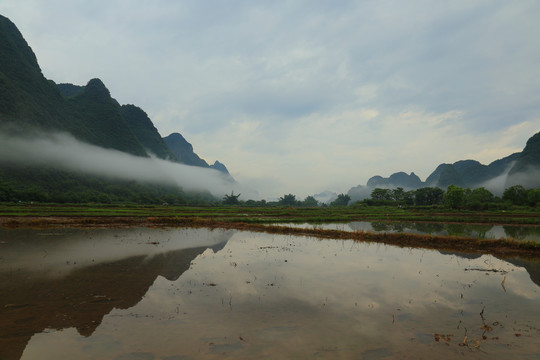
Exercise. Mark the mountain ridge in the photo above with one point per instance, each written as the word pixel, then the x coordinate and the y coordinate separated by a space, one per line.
pixel 183 151
pixel 30 104
pixel 88 112
pixel 520 168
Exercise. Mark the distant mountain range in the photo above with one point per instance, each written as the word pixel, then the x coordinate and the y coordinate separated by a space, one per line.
pixel 522 168
pixel 28 102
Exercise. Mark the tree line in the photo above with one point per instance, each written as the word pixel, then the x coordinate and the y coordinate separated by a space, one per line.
pixel 286 200
pixel 63 187
pixel 455 197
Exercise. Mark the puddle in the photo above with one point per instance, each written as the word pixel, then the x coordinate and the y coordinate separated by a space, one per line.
pixel 196 294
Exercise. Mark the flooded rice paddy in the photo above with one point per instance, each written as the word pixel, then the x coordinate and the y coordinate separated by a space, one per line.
pixel 521 233
pixel 213 294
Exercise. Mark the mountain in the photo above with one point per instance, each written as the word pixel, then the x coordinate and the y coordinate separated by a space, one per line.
pixel 444 176
pixel 27 98
pixel 326 197
pixel 399 179
pixel 359 192
pixel 69 90
pixel 501 166
pixel 88 112
pixel 526 169
pixel 183 151
pixel 521 168
pixel 220 167
pixel 470 173
pixel 31 104
pixel 145 131
pixel 102 116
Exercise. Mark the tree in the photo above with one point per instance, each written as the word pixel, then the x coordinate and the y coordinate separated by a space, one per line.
pixel 479 197
pixel 428 196
pixel 516 194
pixel 408 197
pixel 6 192
pixel 310 201
pixel 342 200
pixel 252 202
pixel 381 194
pixel 398 194
pixel 231 199
pixel 533 196
pixel 288 200
pixel 454 197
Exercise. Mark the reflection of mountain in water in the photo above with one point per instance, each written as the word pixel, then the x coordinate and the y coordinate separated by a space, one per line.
pixel 531 266
pixel 82 298
pixel 450 229
pixel 516 232
pixel 470 256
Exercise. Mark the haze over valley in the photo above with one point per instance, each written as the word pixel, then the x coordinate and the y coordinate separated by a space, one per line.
pixel 313 120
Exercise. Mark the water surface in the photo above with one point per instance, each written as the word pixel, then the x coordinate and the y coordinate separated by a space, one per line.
pixel 192 294
pixel 522 233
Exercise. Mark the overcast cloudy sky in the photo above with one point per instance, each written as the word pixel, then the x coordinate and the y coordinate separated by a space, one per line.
pixel 304 96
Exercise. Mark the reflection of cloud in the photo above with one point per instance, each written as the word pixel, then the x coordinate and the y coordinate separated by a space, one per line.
pixel 62 253
pixel 441 229
pixel 63 279
pixel 382 275
pixel 280 296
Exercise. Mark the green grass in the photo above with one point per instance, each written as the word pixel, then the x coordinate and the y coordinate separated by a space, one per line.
pixel 276 214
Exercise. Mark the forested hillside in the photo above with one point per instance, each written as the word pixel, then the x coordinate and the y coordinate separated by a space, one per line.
pixel 31 104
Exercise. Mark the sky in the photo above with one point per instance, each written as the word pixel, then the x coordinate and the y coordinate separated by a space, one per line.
pixel 305 96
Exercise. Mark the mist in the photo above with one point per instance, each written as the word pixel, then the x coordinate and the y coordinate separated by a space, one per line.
pixel 497 184
pixel 529 178
pixel 63 151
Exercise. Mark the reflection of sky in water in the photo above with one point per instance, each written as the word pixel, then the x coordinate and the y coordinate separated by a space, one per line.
pixel 496 232
pixel 273 296
pixel 482 231
pixel 60 251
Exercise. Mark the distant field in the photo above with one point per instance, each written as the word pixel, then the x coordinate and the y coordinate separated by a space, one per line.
pixel 246 214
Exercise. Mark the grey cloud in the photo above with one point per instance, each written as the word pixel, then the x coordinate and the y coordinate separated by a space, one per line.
pixel 202 66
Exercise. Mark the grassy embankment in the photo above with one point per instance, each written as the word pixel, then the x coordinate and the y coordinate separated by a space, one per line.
pixel 264 219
